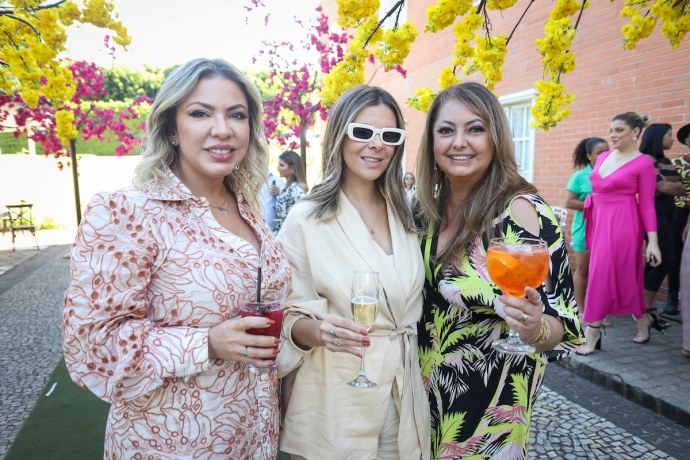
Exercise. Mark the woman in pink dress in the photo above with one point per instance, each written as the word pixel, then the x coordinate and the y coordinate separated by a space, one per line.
pixel 619 213
pixel 151 319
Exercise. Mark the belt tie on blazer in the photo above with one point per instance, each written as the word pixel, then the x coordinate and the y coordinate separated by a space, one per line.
pixel 411 396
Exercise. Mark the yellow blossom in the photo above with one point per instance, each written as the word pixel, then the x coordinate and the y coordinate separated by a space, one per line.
pixel 422 100
pixel 34 38
pixel 65 126
pixel 352 12
pixel 447 78
pixel 443 13
pixel 395 44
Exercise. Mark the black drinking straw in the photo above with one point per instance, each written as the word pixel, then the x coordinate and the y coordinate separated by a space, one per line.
pixel 258 286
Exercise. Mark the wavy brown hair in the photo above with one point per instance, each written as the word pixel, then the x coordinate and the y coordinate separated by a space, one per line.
pixel 491 195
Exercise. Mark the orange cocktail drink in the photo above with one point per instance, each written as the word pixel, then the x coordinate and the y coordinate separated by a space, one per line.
pixel 514 267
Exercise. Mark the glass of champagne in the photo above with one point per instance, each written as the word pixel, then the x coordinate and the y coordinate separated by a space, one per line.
pixel 513 264
pixel 365 308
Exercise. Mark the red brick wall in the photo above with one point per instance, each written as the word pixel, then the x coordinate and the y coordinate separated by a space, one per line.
pixel 653 79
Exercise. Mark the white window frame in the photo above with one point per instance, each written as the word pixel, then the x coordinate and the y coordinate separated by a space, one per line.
pixel 522 99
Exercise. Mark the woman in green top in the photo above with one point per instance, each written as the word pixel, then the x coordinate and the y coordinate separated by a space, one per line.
pixel 579 187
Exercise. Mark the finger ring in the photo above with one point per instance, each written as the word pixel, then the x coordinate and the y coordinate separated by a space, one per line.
pixel 331 332
pixel 523 318
pixel 245 352
pixel 337 342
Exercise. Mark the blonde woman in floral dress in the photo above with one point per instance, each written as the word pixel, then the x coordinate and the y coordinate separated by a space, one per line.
pixel 151 320
pixel 481 399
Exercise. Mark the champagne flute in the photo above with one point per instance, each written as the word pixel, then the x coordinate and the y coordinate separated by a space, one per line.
pixel 365 307
pixel 513 264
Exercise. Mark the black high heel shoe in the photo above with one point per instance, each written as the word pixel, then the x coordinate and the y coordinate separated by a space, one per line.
pixel 653 323
pixel 658 322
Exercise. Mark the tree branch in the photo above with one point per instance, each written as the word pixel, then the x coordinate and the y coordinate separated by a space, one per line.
pixel 24 22
pixel 520 20
pixel 7 11
pixel 397 6
pixel 579 16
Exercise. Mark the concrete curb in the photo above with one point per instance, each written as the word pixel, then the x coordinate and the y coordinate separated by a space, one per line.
pixel 617 383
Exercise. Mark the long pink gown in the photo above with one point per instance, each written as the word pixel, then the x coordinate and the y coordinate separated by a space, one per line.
pixel 619 212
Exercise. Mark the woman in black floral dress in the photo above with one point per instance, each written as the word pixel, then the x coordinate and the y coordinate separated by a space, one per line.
pixel 469 191
pixel 289 167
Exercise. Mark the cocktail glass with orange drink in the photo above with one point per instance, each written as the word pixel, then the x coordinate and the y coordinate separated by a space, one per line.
pixel 513 264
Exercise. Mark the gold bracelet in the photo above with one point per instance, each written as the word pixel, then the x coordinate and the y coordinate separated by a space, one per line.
pixel 544 332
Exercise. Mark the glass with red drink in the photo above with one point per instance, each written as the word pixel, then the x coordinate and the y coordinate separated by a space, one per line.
pixel 271 306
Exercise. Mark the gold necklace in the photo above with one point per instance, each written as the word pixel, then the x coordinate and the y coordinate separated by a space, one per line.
pixel 370 228
pixel 222 206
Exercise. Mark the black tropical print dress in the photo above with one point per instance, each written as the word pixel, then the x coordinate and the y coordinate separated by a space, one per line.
pixel 480 399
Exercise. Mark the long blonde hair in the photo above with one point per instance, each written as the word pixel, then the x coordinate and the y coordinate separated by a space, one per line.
pixel 344 111
pixel 158 152
pixel 491 195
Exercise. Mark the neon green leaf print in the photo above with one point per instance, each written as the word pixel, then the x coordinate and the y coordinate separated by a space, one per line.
pixel 474 287
pixel 450 427
pixel 520 389
pixel 428 359
pixel 444 338
pixel 512 232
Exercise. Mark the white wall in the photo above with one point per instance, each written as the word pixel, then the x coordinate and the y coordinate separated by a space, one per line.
pixel 36 179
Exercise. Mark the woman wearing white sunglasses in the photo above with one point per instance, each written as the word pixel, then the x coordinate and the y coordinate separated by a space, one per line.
pixel 357 219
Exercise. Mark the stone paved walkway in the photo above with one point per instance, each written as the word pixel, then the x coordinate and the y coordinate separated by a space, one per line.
pixel 655 375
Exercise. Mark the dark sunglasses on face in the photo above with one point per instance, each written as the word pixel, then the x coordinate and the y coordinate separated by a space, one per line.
pixel 364 133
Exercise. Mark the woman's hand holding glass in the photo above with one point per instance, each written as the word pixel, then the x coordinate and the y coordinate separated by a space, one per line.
pixel 343 335
pixel 514 264
pixel 523 315
pixel 230 341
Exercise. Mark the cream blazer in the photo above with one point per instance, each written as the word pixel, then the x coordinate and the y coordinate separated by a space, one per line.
pixel 323 416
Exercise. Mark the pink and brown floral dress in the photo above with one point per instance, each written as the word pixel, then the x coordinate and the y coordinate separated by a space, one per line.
pixel 151 272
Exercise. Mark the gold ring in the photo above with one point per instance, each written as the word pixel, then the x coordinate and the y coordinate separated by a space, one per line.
pixel 523 318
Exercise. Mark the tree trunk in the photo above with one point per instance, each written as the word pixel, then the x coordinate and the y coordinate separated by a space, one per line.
pixel 75 177
pixel 303 147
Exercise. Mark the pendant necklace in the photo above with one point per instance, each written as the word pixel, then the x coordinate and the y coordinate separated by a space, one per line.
pixel 222 206
pixel 369 227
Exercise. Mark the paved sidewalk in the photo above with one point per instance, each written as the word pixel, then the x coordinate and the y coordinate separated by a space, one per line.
pixel 25 248
pixel 654 375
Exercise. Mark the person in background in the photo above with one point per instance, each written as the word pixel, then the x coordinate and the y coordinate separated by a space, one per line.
pixel 410 186
pixel 289 167
pixel 151 319
pixel 470 191
pixel 579 187
pixel 685 290
pixel 268 201
pixel 680 217
pixel 619 212
pixel 356 219
pixel 655 139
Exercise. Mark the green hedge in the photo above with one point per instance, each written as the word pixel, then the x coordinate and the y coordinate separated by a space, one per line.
pixel 11 145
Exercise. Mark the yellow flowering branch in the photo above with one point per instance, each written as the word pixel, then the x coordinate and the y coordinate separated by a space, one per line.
pixel 34 35
pixel 483 52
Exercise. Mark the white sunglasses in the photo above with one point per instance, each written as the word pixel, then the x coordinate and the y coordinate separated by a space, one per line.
pixel 364 133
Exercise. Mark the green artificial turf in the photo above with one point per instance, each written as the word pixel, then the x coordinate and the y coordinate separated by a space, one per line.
pixel 68 424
